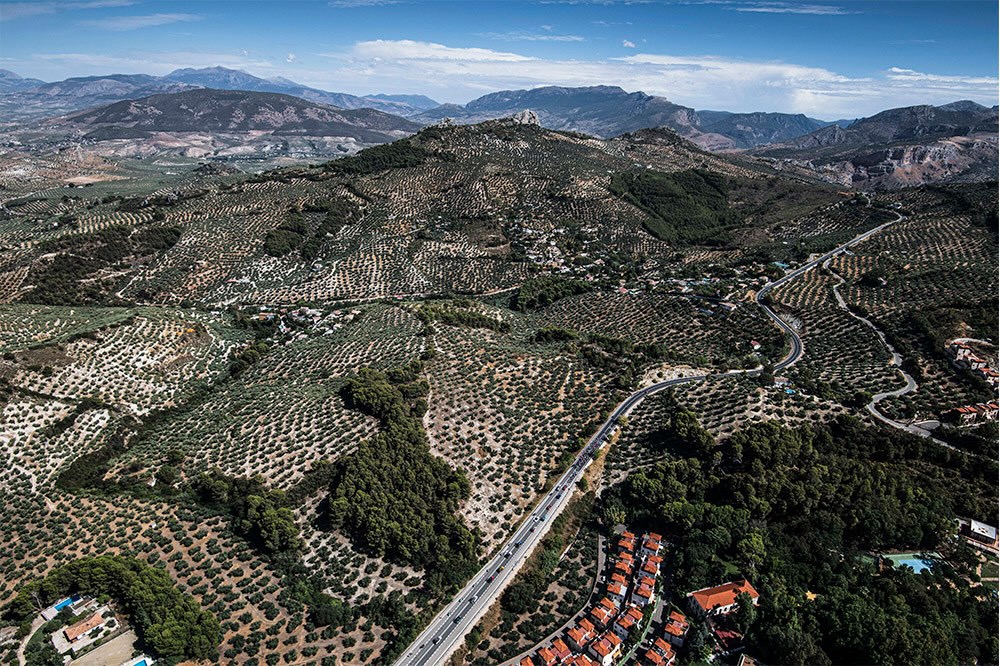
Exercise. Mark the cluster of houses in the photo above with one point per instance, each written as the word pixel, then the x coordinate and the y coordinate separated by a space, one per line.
pixel 598 638
pixel 663 650
pixel 304 317
pixel 964 357
pixel 973 414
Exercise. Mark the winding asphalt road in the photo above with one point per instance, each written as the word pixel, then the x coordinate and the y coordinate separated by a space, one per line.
pixel 445 632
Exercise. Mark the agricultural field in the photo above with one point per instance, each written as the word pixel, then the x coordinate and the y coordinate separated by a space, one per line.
pixel 722 404
pixel 927 280
pixel 194 360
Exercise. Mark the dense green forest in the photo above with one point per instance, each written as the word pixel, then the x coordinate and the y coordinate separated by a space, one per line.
pixel 545 290
pixel 461 317
pixel 799 510
pixel 296 233
pixel 258 513
pixel 392 496
pixel 683 207
pixel 59 282
pixel 380 158
pixel 169 623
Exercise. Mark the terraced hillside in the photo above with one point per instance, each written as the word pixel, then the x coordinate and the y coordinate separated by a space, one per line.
pixel 190 363
pixel 464 209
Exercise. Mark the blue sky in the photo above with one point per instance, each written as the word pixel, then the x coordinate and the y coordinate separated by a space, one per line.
pixel 827 59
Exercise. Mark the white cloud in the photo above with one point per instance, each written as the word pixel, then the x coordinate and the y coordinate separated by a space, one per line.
pixel 627 44
pixel 524 36
pixel 703 81
pixel 789 8
pixel 457 74
pixel 291 57
pixel 349 4
pixel 410 50
pixel 14 10
pixel 122 23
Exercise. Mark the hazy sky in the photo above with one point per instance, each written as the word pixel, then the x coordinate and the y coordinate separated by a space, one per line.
pixel 826 59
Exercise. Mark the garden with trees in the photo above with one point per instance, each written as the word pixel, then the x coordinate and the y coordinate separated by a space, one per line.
pixel 807 509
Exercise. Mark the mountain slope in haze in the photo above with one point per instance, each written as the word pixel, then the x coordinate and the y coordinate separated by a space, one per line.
pixel 749 130
pixel 421 102
pixel 23 102
pixel 222 78
pixel 207 110
pixel 60 97
pixel 12 82
pixel 901 147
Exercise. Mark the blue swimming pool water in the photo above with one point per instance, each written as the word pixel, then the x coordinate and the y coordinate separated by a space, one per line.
pixel 65 602
pixel 141 663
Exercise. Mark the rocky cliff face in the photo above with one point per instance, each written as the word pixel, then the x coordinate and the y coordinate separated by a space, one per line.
pixel 953 159
pixel 914 145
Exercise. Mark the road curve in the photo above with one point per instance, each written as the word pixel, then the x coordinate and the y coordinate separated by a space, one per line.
pixel 442 636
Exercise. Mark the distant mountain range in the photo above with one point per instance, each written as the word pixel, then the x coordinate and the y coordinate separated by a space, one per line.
pixel 235 111
pixel 30 99
pixel 222 78
pixel 11 82
pixel 894 148
pixel 607 111
pixel 220 124
pixel 899 147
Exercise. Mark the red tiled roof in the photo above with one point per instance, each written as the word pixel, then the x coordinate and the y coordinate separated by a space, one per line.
pixel 643 591
pixel 577 636
pixel 526 661
pixel 74 631
pixel 586 625
pixel 723 595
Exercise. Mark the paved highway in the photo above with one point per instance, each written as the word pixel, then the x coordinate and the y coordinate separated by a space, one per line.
pixel 444 633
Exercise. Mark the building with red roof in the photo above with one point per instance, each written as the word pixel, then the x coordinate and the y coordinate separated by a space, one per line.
pixel 606 649
pixel 720 600
pixel 675 628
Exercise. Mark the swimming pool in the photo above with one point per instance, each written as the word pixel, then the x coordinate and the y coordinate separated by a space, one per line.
pixel 66 602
